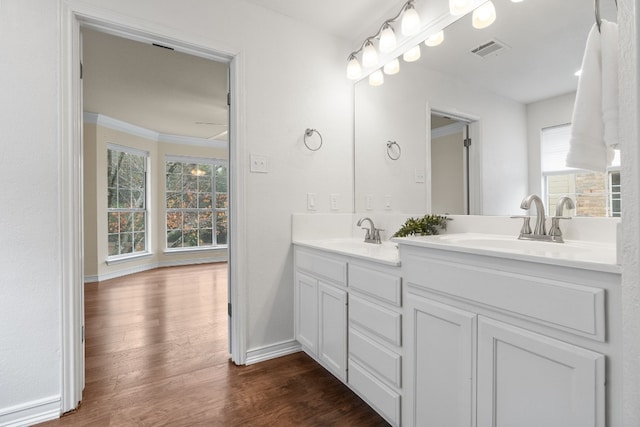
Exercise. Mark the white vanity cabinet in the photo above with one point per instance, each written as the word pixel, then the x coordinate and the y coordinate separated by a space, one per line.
pixel 362 338
pixel 375 336
pixel 320 308
pixel 495 342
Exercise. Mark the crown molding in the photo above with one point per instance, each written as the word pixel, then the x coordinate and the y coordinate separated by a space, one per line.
pixel 447 130
pixel 128 128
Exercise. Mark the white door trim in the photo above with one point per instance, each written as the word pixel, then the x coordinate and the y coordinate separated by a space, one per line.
pixel 75 13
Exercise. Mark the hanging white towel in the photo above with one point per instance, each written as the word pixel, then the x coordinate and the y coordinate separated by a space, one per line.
pixel 594 129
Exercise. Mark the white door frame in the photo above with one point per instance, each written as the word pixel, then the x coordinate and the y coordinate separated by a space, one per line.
pixel 74 14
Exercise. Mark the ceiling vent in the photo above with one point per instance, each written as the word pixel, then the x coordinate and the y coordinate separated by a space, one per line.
pixel 491 48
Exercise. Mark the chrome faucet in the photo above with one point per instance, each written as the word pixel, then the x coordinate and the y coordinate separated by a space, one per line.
pixel 541 228
pixel 555 232
pixel 373 233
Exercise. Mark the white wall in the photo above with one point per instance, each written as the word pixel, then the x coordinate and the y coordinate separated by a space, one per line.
pixel 29 262
pixel 546 113
pixel 286 90
pixel 397 111
pixel 629 21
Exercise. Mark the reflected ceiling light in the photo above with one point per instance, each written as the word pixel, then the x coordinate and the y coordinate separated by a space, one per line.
pixel 392 67
pixel 578 73
pixel 387 38
pixel 484 15
pixel 369 55
pixel 354 71
pixel 412 54
pixel 410 20
pixel 376 78
pixel 459 7
pixel 435 39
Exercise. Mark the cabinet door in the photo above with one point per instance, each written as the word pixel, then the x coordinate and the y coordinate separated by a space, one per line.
pixel 529 380
pixel 440 352
pixel 306 312
pixel 332 329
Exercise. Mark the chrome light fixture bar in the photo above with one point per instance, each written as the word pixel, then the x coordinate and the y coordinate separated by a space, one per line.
pixel 410 25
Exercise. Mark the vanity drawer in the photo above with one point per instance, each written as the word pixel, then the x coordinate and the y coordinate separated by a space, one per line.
pixel 385 363
pixel 377 320
pixel 562 305
pixel 382 398
pixel 322 266
pixel 383 286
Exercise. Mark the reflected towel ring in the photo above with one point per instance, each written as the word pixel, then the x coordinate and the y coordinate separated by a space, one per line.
pixel 307 134
pixel 389 150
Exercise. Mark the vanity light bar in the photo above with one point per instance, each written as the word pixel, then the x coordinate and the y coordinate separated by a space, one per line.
pixel 483 16
pixel 410 25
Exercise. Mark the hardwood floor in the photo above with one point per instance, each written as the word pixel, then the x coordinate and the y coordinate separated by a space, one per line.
pixel 156 354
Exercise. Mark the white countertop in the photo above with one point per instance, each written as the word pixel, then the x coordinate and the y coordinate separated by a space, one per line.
pixel 385 253
pixel 597 256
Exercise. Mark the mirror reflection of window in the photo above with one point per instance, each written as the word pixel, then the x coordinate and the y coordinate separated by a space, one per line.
pixel 596 194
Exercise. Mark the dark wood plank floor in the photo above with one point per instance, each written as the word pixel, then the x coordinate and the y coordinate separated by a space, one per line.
pixel 156 354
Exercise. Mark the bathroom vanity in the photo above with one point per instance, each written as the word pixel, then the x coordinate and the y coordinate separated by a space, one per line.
pixel 467 329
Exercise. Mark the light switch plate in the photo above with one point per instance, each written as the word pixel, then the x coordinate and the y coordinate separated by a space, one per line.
pixel 333 201
pixel 387 202
pixel 258 164
pixel 369 202
pixel 311 201
pixel 419 176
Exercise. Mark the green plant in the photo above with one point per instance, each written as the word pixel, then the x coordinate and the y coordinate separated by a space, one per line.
pixel 424 226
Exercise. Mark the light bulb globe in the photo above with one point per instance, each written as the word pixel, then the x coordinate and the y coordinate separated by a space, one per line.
pixel 484 15
pixel 369 55
pixel 412 54
pixel 376 78
pixel 387 39
pixel 435 39
pixel 410 21
pixel 392 67
pixel 354 71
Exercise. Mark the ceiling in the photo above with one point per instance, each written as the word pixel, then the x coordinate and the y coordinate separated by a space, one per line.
pixel 179 94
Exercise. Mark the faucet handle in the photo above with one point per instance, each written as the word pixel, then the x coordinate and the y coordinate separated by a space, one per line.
pixel 526 225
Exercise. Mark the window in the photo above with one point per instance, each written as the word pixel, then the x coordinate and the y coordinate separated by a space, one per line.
pixel 126 201
pixel 196 202
pixel 595 194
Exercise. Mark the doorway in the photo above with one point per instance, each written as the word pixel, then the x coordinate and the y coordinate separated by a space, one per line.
pixel 73 17
pixel 453 162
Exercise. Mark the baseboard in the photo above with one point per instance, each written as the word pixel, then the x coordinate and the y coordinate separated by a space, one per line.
pixel 28 414
pixel 272 351
pixel 151 266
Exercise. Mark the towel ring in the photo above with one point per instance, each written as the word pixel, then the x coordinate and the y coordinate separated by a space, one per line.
pixel 309 133
pixel 389 150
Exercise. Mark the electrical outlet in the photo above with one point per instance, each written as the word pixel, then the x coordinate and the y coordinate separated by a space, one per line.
pixel 258 164
pixel 369 202
pixel 333 202
pixel 419 176
pixel 311 201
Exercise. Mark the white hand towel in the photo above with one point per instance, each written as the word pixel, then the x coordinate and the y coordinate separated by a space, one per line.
pixel 596 108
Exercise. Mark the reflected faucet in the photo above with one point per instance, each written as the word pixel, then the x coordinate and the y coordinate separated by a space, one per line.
pixel 373 233
pixel 541 228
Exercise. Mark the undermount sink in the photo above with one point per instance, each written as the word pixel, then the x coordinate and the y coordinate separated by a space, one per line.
pixel 572 251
